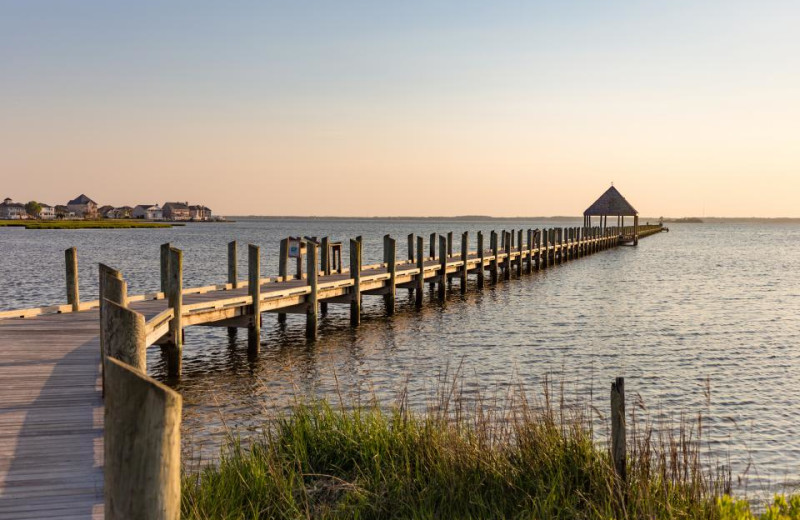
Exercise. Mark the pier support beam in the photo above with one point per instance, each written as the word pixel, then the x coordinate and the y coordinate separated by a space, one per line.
pixel 507 263
pixel 636 230
pixel 254 290
pixel 283 269
pixel 464 258
pixel 390 259
pixel 174 346
pixel 432 243
pixel 442 267
pixel 355 273
pixel 233 276
pixel 412 258
pixel 493 275
pixel 312 299
pixel 326 268
pixel 529 265
pixel 73 291
pixel 142 448
pixel 449 252
pixel 421 275
pixel 519 248
pixel 481 255
pixel 164 257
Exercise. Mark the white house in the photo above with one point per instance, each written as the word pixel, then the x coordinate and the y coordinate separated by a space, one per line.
pixel 12 210
pixel 47 212
pixel 147 211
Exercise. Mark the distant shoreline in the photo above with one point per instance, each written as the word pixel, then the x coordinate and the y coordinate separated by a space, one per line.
pixel 479 218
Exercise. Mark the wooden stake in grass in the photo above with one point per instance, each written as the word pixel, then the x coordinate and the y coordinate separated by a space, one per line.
pixel 618 445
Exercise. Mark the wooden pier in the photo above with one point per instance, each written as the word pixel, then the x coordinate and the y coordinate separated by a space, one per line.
pixel 52 420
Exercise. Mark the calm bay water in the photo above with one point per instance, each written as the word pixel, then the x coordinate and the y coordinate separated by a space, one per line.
pixel 704 304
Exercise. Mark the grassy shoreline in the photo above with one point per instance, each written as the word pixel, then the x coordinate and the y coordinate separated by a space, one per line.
pixel 328 462
pixel 84 224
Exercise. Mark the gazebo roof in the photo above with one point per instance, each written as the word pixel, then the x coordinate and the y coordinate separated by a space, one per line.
pixel 611 203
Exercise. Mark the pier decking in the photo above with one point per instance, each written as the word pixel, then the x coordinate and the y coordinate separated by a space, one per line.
pixel 51 402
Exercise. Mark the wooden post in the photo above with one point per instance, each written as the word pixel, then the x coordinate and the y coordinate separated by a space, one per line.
pixel 174 347
pixel 233 275
pixel 125 333
pixel 546 248
pixel 73 291
pixel 312 299
pixel 254 290
pixel 432 250
pixel 355 274
pixel 283 269
pixel 618 443
pixel 142 446
pixel 390 258
pixel 481 254
pixel 519 248
pixel 327 269
pixel 421 275
pixel 507 263
pixel 636 230
pixel 442 267
pixel 164 263
pixel 411 256
pixel 464 258
pixel 529 265
pixel 112 288
pixel 449 252
pixel 495 253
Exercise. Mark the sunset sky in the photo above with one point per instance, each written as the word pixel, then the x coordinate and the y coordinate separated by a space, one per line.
pixel 404 108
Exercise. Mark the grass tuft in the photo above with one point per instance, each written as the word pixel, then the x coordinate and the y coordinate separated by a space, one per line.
pixel 459 460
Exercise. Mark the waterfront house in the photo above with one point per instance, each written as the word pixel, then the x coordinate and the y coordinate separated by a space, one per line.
pixel 176 211
pixel 63 212
pixel 47 212
pixel 11 210
pixel 148 211
pixel 83 206
pixel 121 212
pixel 199 212
pixel 102 210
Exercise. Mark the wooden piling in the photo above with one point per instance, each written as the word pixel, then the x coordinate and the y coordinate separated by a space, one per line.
pixel 507 263
pixel 519 248
pixel 390 258
pixel 73 291
pixel 174 347
pixel 442 267
pixel 481 256
pixel 495 253
pixel 125 332
pixel 142 448
pixel 421 275
pixel 326 268
pixel 411 256
pixel 355 273
pixel 464 259
pixel 233 276
pixel 164 264
pixel 254 290
pixel 618 440
pixel 529 264
pixel 432 254
pixel 312 299
pixel 283 269
pixel 449 252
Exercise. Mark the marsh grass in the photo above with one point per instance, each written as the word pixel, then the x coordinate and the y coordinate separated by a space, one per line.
pixel 460 458
pixel 82 224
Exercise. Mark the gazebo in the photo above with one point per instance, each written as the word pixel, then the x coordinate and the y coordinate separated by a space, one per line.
pixel 613 204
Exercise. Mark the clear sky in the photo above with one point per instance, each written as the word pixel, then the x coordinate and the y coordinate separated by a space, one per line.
pixel 404 108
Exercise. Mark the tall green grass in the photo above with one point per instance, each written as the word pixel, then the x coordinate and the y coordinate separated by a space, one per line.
pixel 460 459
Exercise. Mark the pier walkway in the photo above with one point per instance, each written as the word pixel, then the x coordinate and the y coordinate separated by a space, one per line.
pixel 51 396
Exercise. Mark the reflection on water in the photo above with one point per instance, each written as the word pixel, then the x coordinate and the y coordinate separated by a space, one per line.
pixel 701 303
